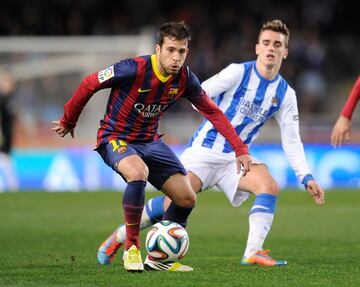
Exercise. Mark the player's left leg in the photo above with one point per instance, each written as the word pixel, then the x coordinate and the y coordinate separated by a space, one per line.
pixel 178 188
pixel 260 182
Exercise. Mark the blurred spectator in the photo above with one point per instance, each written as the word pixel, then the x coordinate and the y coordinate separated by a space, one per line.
pixel 311 85
pixel 7 87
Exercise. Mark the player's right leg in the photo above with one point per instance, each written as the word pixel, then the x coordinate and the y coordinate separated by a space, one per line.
pixel 152 213
pixel 125 161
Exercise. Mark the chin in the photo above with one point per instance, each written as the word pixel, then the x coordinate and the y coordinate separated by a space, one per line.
pixel 172 72
pixel 270 63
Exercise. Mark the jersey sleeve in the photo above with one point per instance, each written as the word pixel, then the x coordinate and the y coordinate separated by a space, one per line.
pixel 224 80
pixel 119 74
pixel 352 100
pixel 288 120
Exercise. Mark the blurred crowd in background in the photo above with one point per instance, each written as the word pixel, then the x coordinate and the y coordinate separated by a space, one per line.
pixel 323 62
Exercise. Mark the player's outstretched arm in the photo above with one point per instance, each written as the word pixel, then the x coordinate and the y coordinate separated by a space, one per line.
pixel 62 130
pixel 341 131
pixel 316 192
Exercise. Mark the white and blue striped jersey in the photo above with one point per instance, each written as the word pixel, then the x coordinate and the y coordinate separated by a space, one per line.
pixel 248 100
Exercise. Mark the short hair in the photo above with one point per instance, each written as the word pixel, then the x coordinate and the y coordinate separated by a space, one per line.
pixel 177 30
pixel 277 26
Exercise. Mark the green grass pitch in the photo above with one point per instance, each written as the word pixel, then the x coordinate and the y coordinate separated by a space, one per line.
pixel 51 239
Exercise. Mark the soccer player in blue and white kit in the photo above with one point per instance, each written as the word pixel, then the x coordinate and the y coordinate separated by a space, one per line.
pixel 249 94
pixel 142 89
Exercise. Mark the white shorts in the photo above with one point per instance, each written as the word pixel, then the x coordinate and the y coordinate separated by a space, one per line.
pixel 216 171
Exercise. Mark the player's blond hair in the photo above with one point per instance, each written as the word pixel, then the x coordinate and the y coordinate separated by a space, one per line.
pixel 277 26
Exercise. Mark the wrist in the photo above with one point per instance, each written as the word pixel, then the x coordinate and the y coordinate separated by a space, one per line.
pixel 306 179
pixel 66 124
pixel 241 151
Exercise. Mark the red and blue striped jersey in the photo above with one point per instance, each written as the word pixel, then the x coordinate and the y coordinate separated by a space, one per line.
pixel 139 95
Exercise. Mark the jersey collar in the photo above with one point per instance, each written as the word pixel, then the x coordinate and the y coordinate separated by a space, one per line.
pixel 262 78
pixel 160 76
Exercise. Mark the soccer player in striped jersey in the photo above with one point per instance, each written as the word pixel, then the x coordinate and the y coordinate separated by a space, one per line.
pixel 341 129
pixel 249 94
pixel 142 89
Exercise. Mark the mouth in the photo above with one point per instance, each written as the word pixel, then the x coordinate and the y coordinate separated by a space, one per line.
pixel 174 68
pixel 270 56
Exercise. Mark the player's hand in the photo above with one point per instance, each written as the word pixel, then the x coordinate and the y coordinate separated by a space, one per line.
pixel 341 131
pixel 245 161
pixel 316 192
pixel 61 130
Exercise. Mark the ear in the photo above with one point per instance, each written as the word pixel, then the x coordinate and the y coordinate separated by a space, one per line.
pixel 157 49
pixel 257 49
pixel 286 53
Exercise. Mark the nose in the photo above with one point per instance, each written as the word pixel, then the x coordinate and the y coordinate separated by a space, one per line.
pixel 176 57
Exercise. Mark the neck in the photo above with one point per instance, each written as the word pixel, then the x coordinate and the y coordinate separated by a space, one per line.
pixel 160 67
pixel 268 72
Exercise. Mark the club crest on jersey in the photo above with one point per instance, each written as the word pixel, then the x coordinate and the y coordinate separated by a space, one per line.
pixel 106 74
pixel 173 93
pixel 275 101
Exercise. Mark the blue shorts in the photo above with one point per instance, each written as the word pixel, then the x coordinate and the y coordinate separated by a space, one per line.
pixel 160 159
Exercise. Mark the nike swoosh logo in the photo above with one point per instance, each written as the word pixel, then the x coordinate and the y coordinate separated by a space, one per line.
pixel 130 224
pixel 143 91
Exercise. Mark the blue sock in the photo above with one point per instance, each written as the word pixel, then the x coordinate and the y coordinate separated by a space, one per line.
pixel 133 205
pixel 265 203
pixel 134 193
pixel 155 208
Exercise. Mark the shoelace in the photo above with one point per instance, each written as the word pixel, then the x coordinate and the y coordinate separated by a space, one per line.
pixel 133 255
pixel 265 253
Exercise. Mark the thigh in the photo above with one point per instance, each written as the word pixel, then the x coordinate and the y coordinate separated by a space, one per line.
pixel 162 163
pixel 178 188
pixel 229 182
pixel 122 158
pixel 257 180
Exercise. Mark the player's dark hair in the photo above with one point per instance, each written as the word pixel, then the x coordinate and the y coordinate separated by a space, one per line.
pixel 177 30
pixel 277 26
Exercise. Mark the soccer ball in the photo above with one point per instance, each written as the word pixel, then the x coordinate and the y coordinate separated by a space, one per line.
pixel 167 241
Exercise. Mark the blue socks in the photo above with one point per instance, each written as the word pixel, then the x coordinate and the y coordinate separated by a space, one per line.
pixel 265 203
pixel 155 208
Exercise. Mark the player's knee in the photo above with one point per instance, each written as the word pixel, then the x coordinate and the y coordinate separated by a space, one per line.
pixel 273 188
pixel 187 201
pixel 140 174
